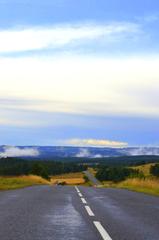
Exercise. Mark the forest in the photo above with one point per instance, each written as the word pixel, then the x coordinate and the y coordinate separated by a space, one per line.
pixel 17 167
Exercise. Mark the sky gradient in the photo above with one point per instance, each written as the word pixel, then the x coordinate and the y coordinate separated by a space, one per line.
pixel 79 73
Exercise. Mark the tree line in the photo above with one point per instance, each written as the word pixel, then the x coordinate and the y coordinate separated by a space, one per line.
pixel 120 173
pixel 16 167
pixel 116 174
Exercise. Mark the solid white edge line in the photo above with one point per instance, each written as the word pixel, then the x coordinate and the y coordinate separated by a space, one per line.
pixel 102 231
pixel 83 200
pixel 89 211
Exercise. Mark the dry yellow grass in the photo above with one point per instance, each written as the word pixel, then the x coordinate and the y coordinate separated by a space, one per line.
pixel 69 181
pixel 7 183
pixel 34 178
pixel 149 185
pixel 69 175
pixel 69 178
pixel 144 168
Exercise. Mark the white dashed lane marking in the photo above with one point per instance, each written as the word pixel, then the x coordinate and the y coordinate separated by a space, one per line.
pixel 102 231
pixel 77 189
pixel 83 200
pixel 89 211
pixel 98 225
pixel 80 194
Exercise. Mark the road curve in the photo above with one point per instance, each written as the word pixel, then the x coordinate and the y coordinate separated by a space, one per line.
pixel 92 178
pixel 55 213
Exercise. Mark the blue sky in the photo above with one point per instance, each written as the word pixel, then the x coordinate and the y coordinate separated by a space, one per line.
pixel 58 11
pixel 79 70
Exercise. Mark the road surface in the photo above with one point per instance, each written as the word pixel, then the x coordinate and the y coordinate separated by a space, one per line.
pixel 69 213
pixel 92 178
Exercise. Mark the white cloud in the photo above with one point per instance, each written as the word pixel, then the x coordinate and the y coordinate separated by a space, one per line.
pixel 95 142
pixel 11 151
pixel 37 38
pixel 80 85
pixel 85 153
pixel 149 151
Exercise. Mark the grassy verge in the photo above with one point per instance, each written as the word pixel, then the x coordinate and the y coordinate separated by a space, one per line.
pixel 150 186
pixel 7 183
pixel 69 179
pixel 87 184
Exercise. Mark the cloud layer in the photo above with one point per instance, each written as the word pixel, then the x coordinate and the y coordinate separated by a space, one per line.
pixel 85 153
pixel 95 143
pixel 38 38
pixel 85 85
pixel 148 151
pixel 11 151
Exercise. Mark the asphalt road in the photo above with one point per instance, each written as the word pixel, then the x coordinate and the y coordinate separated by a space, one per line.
pixel 69 213
pixel 92 178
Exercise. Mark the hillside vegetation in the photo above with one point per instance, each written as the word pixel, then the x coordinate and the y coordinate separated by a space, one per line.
pixel 143 178
pixel 150 186
pixel 17 173
pixel 69 179
pixel 18 167
pixel 145 169
pixel 7 183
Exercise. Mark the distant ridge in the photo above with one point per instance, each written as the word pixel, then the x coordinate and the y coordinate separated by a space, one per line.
pixel 48 152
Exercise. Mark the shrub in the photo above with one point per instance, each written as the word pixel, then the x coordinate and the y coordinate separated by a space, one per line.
pixel 154 170
pixel 62 183
pixel 115 174
pixel 40 170
pixel 86 179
